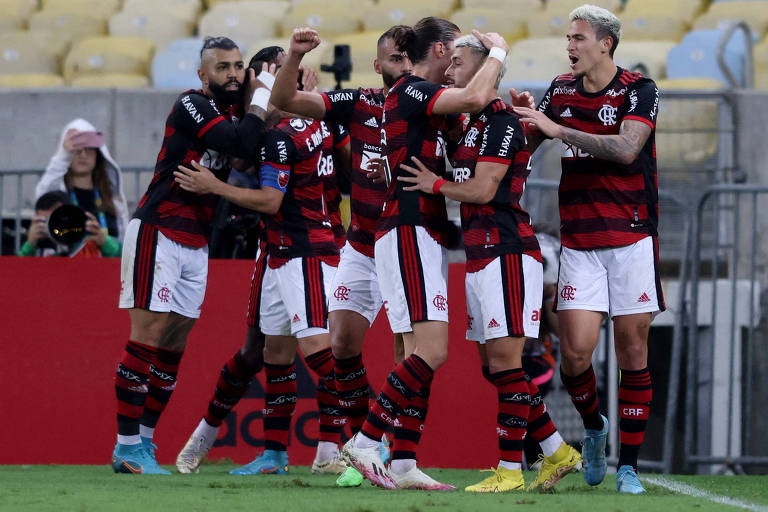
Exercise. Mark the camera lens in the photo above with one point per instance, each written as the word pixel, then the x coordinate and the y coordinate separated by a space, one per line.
pixel 66 224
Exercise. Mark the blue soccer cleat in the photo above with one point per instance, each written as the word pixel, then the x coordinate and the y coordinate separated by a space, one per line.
pixel 271 462
pixel 154 467
pixel 627 481
pixel 593 453
pixel 134 459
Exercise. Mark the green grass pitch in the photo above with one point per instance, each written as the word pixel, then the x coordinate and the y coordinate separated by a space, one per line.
pixel 97 488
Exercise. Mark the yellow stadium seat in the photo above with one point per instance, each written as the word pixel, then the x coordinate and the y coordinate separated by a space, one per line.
pixel 537 60
pixel 761 80
pixel 653 26
pixel 685 9
pixel 514 5
pixel 760 54
pixel 240 21
pixel 362 47
pixel 328 21
pixel 441 8
pixel 161 26
pixel 686 129
pixel 690 83
pixel 507 22
pixel 564 7
pixel 341 5
pixel 111 80
pixel 364 79
pixel 96 8
pixel 15 13
pixel 722 14
pixel 73 26
pixel 648 57
pixel 381 17
pixel 547 23
pixel 100 55
pixel 22 52
pixel 185 9
pixel 31 80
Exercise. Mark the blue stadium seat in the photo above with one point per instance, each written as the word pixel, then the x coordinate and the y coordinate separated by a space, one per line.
pixel 696 56
pixel 176 67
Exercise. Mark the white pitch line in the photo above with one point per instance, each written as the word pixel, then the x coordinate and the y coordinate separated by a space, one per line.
pixel 690 490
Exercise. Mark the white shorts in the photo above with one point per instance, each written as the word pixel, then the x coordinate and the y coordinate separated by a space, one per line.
pixel 355 286
pixel 618 281
pixel 413 277
pixel 158 274
pixel 504 299
pixel 293 298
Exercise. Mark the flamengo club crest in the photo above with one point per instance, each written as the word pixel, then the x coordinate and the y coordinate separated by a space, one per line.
pixel 607 115
pixel 341 293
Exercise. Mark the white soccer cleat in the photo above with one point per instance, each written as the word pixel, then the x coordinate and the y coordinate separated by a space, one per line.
pixel 332 466
pixel 368 462
pixel 415 478
pixel 192 455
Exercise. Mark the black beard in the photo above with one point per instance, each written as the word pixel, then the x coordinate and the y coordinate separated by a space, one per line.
pixel 222 95
pixel 389 79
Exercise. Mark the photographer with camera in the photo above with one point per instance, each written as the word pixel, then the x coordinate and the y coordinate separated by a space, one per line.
pixel 83 168
pixel 39 242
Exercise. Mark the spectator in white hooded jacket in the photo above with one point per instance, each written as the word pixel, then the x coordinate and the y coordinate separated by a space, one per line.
pixel 83 168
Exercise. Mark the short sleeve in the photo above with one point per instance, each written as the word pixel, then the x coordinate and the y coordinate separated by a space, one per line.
pixel 277 153
pixel 643 103
pixel 197 114
pixel 418 98
pixel 339 105
pixel 340 135
pixel 502 138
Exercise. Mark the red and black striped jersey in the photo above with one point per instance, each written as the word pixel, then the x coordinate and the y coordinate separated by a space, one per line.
pixel 340 139
pixel 195 130
pixel 300 153
pixel 500 226
pixel 409 129
pixel 360 110
pixel 605 203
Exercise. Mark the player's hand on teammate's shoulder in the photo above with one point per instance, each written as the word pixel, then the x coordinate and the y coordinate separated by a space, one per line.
pixel 304 40
pixel 538 120
pixel 491 39
pixel 199 180
pixel 422 178
pixel 521 99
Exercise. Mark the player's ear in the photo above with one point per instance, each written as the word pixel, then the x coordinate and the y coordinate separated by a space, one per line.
pixel 376 66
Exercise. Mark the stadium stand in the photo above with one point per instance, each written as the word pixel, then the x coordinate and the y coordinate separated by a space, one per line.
pixel 243 20
pixel 696 56
pixel 30 80
pixel 566 6
pixel 14 14
pixel 329 21
pixel 760 54
pixel 652 25
pixel 111 80
pixel 160 25
pixel 438 7
pixel 185 9
pixel 534 62
pixel 176 66
pixel 685 9
pixel 647 57
pixel 722 14
pixel 31 52
pixel 108 55
pixel 362 50
pixel 381 17
pixel 71 25
pixel 515 5
pixel 510 23
pixel 96 8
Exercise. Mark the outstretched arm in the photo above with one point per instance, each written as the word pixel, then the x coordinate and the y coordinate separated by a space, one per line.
pixel 622 148
pixel 285 96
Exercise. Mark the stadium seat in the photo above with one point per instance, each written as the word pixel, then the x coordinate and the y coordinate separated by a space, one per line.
pixel 441 8
pixel 176 66
pixel 31 52
pixel 704 84
pixel 15 13
pixel 547 23
pixel 381 17
pixel 241 20
pixel 73 26
pixel 646 57
pixel 722 14
pixel 341 5
pixel 96 8
pixel 362 47
pixel 696 56
pixel 30 80
pixel 515 5
pixel 111 80
pixel 185 9
pixel 536 62
pixel 99 55
pixel 507 22
pixel 685 9
pixel 364 79
pixel 328 21
pixel 161 26
pixel 564 7
pixel 653 26
pixel 761 65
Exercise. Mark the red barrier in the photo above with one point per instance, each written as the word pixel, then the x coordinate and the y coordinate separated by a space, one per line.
pixel 62 335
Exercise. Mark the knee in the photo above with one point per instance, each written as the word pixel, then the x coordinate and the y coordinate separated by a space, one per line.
pixel 253 358
pixel 437 359
pixel 343 347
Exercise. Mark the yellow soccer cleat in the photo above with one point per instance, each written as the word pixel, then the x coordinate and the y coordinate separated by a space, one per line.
pixel 502 480
pixel 552 469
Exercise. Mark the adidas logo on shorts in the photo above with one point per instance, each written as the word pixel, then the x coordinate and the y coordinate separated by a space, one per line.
pixel 372 123
pixel 493 324
pixel 644 298
pixel 566 113
pixel 296 319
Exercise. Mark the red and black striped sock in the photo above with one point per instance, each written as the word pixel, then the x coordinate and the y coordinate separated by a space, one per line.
pixel 234 381
pixel 635 395
pixel 410 425
pixel 583 391
pixel 131 386
pixel 512 418
pixel 402 385
pixel 540 425
pixel 162 382
pixel 352 387
pixel 331 417
pixel 279 404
